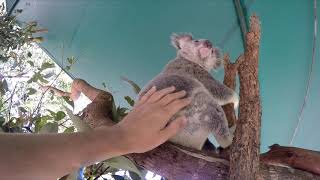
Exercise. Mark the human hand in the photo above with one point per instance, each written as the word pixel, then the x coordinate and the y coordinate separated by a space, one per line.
pixel 146 126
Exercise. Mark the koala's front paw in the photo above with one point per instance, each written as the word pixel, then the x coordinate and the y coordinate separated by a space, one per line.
pixel 235 101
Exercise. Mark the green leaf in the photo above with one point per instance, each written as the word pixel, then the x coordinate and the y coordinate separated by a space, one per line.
pixel 67 100
pixel 48 75
pixel 41 79
pixel 40 121
pixel 29 54
pixel 129 100
pixel 134 85
pixel 35 77
pixel 31 63
pixel 49 128
pixel 69 130
pixel 115 115
pixel 53 114
pixel 122 162
pixel 77 122
pixel 68 68
pixel 59 115
pixel 3 87
pixel 71 60
pixel 46 65
pixel 31 91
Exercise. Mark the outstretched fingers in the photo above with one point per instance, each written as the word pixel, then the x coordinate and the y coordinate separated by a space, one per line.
pixel 171 97
pixel 146 96
pixel 176 105
pixel 160 94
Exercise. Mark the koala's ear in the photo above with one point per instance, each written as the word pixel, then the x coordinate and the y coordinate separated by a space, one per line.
pixel 176 38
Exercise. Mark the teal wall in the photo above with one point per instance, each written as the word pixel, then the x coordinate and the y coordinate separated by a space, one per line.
pixel 112 38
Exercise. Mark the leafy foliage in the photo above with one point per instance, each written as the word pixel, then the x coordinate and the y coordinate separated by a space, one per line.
pixel 13 37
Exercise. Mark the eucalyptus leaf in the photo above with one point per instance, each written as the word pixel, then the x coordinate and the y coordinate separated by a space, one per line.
pixel 46 65
pixel 115 115
pixel 129 100
pixel 31 91
pixel 49 128
pixel 124 163
pixel 31 63
pixel 134 85
pixel 67 100
pixel 69 130
pixel 59 115
pixel 3 87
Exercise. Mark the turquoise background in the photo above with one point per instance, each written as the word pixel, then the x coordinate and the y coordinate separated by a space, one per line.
pixel 113 38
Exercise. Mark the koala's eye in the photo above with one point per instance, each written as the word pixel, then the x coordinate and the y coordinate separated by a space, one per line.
pixel 196 41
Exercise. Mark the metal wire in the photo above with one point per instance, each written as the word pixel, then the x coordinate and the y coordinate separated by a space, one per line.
pixel 310 74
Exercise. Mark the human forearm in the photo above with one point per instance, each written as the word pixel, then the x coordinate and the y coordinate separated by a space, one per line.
pixel 49 156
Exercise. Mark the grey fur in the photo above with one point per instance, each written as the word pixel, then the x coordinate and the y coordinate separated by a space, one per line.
pixel 204 114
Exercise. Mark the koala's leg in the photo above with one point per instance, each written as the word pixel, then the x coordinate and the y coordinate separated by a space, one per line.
pixel 211 117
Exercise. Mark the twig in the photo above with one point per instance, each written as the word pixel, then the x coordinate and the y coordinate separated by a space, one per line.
pixel 102 173
pixel 10 105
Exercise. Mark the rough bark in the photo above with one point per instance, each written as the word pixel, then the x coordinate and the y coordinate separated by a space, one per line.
pixel 245 150
pixel 230 74
pixel 303 159
pixel 180 163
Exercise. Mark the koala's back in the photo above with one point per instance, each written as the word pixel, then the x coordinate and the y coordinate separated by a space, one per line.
pixel 204 115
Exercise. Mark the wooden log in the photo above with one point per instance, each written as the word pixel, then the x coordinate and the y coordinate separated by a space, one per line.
pixel 180 163
pixel 299 158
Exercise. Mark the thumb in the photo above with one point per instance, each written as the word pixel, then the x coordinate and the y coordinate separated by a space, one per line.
pixel 173 128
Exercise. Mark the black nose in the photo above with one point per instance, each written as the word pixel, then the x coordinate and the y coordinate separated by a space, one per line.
pixel 207 44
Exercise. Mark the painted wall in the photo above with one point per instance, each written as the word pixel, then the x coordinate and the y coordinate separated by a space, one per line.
pixel 131 38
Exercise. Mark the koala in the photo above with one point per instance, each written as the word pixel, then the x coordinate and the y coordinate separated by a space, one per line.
pixel 189 71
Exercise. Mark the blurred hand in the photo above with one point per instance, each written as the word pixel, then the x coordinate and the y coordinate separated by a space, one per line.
pixel 44 88
pixel 146 126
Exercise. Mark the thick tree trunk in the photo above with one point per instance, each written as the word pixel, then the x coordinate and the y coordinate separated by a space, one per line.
pixel 180 163
pixel 245 150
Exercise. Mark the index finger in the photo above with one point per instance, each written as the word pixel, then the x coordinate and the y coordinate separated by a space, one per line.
pixel 177 105
pixel 147 95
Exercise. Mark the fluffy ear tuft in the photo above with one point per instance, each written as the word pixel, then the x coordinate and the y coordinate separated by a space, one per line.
pixel 175 39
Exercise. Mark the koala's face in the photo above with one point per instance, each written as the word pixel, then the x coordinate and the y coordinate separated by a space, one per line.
pixel 200 51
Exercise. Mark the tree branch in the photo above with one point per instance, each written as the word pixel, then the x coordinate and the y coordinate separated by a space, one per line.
pixel 245 150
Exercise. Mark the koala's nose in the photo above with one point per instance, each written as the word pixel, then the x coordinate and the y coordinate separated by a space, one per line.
pixel 207 44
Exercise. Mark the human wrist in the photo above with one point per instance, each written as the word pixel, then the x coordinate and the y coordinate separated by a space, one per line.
pixel 107 142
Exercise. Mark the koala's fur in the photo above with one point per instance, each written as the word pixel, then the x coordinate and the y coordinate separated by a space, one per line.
pixel 189 71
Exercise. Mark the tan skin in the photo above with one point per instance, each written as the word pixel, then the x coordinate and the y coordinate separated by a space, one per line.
pixel 49 156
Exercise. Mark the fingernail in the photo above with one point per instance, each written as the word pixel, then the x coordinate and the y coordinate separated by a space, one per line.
pixel 173 88
pixel 154 88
